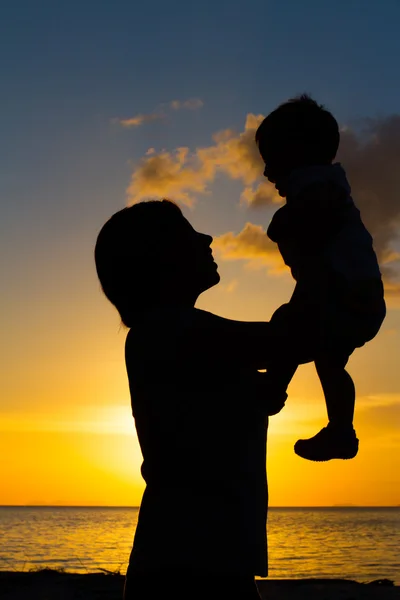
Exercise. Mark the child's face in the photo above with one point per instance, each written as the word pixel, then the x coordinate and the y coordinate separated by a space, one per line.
pixel 280 158
pixel 277 168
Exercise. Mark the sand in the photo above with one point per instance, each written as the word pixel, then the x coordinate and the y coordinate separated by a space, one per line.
pixel 53 585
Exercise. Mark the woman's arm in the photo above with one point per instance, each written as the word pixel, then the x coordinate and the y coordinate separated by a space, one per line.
pixel 211 337
pixel 194 334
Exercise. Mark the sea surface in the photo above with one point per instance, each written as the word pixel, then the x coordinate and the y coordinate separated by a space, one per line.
pixel 345 542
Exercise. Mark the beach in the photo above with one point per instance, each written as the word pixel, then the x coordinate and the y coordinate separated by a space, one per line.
pixel 53 585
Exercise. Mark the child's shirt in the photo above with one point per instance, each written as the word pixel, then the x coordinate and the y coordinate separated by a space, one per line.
pixel 321 236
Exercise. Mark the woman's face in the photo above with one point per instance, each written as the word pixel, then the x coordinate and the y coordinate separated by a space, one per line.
pixel 194 267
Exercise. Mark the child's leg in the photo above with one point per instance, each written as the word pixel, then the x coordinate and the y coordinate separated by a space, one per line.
pixel 338 440
pixel 339 390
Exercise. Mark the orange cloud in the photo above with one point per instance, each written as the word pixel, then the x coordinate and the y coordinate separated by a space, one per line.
pixel 172 175
pixel 371 161
pixel 183 174
pixel 263 194
pixel 251 244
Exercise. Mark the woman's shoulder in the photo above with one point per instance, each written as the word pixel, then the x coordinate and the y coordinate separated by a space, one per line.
pixel 160 332
pixel 158 321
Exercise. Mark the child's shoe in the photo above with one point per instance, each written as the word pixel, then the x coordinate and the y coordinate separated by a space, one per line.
pixel 331 442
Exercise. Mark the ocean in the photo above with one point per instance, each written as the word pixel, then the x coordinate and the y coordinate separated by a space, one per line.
pixel 344 542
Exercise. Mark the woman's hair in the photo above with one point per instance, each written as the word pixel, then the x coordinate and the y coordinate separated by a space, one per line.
pixel 129 254
pixel 305 120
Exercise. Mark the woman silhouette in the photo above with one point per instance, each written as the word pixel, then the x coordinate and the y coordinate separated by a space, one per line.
pixel 200 407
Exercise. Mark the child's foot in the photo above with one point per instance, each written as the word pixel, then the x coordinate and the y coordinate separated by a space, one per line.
pixel 330 442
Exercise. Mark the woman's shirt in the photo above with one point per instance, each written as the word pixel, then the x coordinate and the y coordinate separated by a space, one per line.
pixel 201 421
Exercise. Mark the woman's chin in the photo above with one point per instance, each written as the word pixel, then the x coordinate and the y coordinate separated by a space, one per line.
pixel 213 279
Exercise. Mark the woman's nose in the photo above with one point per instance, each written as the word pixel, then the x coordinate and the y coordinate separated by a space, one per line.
pixel 207 239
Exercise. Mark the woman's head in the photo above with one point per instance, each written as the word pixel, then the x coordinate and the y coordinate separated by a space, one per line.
pixel 149 255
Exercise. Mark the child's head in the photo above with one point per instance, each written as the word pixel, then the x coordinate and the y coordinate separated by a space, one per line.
pixel 298 133
pixel 149 255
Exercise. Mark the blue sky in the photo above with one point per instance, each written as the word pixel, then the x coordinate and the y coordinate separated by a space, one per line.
pixel 69 68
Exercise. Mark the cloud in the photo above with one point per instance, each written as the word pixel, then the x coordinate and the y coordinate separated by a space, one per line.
pixel 251 244
pixel 183 174
pixel 371 157
pixel 262 194
pixel 234 154
pixel 372 161
pixel 160 114
pixel 139 120
pixel 174 175
pixel 191 104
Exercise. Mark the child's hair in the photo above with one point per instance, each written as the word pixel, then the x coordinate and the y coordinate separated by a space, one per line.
pixel 302 119
pixel 129 254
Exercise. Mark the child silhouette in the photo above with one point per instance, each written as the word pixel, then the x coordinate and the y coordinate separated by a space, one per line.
pixel 338 302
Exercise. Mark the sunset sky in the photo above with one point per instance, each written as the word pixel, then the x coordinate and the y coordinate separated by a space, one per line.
pixel 106 103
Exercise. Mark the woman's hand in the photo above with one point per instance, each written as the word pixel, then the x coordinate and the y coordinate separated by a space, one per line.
pixel 272 399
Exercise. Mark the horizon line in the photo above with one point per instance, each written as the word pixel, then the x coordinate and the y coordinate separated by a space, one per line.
pixel 137 507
